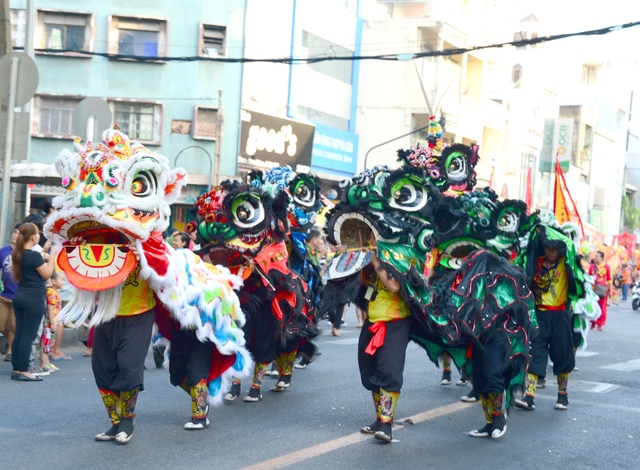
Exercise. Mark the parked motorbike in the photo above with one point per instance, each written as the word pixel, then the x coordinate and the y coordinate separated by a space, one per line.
pixel 635 295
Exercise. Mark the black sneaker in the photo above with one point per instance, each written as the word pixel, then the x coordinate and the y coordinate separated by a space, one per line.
pixel 384 433
pixel 499 426
pixel 482 432
pixel 472 397
pixel 253 396
pixel 525 403
pixel 233 393
pixel 196 424
pixel 372 428
pixel 563 401
pixel 284 383
pixel 446 378
pixel 125 431
pixel 109 435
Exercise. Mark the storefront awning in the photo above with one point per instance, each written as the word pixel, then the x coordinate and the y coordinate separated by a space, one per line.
pixel 35 173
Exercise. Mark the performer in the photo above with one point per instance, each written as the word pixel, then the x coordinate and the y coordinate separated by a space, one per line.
pixel 382 346
pixel 109 227
pixel 603 287
pixel 551 282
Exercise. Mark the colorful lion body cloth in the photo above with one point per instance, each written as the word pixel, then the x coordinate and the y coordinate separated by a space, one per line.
pixel 118 195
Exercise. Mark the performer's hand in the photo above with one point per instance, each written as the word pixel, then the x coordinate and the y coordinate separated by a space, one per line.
pixel 134 249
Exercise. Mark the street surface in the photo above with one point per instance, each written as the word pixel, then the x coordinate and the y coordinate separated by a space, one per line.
pixel 314 424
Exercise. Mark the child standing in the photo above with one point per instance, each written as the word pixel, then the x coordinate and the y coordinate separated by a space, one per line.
pixel 54 305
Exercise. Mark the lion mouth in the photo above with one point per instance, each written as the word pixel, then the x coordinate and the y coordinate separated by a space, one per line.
pixel 94 232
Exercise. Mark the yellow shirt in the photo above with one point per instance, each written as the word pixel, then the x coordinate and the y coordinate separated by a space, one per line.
pixel 552 286
pixel 137 296
pixel 386 306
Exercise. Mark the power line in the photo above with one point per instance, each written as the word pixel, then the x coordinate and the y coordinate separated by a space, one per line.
pixel 387 57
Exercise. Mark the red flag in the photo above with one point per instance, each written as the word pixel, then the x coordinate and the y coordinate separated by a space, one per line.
pixel 528 196
pixel 564 207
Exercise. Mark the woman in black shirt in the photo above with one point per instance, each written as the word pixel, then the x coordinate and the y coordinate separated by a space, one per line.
pixel 31 269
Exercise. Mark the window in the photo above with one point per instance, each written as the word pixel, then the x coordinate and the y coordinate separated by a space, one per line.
pixel 516 75
pixel 18 26
pixel 212 40
pixel 53 114
pixel 63 31
pixel 590 74
pixel 141 121
pixel 205 123
pixel 141 37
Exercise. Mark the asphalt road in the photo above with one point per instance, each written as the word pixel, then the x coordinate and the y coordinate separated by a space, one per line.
pixel 314 424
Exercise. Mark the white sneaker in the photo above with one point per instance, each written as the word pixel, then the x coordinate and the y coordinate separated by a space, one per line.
pixel 40 372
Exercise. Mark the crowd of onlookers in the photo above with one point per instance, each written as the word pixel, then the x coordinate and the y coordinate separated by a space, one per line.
pixel 31 297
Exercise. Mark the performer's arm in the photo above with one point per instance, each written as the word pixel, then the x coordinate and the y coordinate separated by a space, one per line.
pixel 388 282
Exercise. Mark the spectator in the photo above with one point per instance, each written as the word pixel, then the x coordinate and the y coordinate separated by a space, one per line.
pixel 181 240
pixel 54 305
pixel 9 286
pixel 58 288
pixel 603 287
pixel 193 236
pixel 626 280
pixel 31 271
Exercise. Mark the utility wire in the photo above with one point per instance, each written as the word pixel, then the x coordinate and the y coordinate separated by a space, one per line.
pixel 388 57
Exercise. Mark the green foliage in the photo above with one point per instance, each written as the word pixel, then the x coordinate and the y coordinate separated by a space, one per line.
pixel 631 215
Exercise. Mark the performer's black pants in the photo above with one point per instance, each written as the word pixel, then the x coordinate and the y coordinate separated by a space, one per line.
pixel 554 340
pixel 120 347
pixel 189 358
pixel 384 369
pixel 261 336
pixel 490 364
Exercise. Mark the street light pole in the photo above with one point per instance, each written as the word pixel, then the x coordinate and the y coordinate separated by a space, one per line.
pixel 219 125
pixel 8 149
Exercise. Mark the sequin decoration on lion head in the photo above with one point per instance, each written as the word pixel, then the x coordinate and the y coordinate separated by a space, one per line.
pixel 448 167
pixel 116 192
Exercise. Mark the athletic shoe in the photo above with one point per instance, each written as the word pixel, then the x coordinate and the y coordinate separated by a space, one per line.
pixel 563 402
pixel 482 432
pixel 372 428
pixel 384 434
pixel 462 382
pixel 125 431
pixel 472 397
pixel 196 424
pixel 446 378
pixel 50 368
pixel 525 403
pixel 499 426
pixel 109 435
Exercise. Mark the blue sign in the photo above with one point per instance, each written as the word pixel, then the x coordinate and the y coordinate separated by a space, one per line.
pixel 334 151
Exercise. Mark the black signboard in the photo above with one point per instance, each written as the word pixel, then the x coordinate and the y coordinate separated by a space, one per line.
pixel 268 141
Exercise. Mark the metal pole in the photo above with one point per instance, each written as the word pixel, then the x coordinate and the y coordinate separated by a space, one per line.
pixel 91 128
pixel 220 122
pixel 8 149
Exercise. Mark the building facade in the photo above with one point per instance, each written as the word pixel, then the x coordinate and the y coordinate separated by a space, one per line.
pixel 170 106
